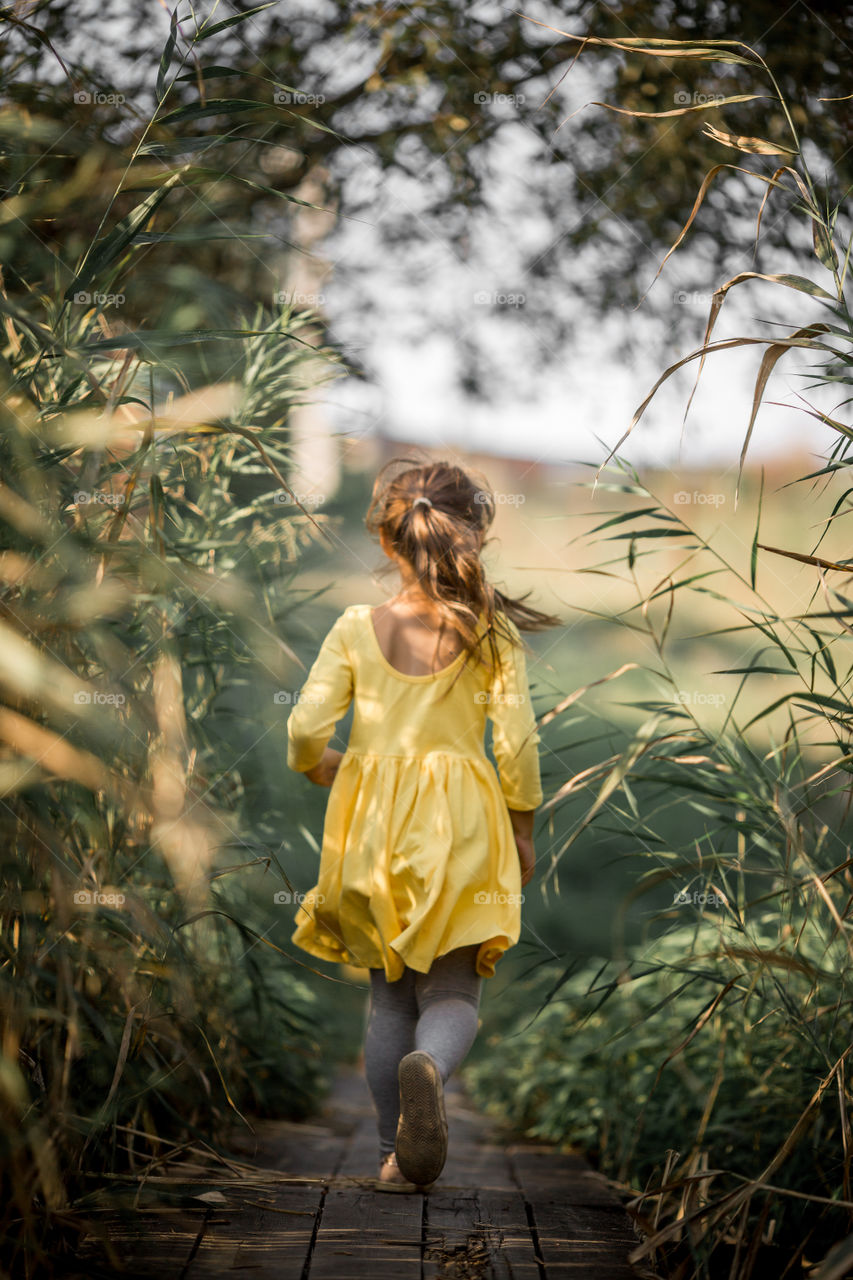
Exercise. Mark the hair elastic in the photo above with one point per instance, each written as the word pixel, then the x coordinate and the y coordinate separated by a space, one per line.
pixel 426 501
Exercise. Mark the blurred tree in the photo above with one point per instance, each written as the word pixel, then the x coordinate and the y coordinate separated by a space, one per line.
pixel 415 115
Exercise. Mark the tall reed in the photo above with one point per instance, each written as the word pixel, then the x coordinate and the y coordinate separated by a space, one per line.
pixel 148 532
pixel 709 1069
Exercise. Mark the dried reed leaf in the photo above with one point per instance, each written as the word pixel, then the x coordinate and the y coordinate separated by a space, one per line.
pixel 758 146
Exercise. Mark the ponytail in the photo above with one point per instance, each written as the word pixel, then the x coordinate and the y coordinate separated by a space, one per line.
pixel 436 517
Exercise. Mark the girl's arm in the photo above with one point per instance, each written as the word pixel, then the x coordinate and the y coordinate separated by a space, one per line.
pixel 515 741
pixel 321 702
pixel 514 734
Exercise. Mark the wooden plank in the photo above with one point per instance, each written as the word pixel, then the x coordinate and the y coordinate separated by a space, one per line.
pixel 310 1150
pixel 473 1158
pixel 541 1169
pixel 504 1219
pixel 472 1167
pixel 352 1103
pixel 368 1234
pixel 454 1245
pixel 349 1096
pixel 581 1228
pixel 482 1235
pixel 584 1243
pixel 362 1232
pixel 316 1155
pixel 267 1230
pixel 360 1162
pixel 307 1150
pixel 141 1244
pixel 521 1213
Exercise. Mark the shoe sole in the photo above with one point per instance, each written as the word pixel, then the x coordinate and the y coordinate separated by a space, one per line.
pixel 421 1144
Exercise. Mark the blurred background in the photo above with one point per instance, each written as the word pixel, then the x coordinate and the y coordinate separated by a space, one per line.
pixel 249 254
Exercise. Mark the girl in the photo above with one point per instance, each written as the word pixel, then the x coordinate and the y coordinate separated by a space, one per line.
pixel 424 850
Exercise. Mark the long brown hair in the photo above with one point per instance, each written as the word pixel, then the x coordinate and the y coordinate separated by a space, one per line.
pixel 442 544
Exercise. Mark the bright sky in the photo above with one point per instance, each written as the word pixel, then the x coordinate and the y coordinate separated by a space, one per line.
pixel 404 309
pixel 590 394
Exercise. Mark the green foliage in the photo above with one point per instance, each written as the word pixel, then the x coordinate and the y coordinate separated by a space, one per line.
pixel 708 1069
pixel 710 1061
pixel 148 538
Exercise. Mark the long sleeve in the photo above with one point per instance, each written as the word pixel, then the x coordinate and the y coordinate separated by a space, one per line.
pixel 323 700
pixel 514 735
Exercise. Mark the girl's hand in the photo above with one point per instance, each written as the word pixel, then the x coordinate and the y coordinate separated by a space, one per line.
pixel 323 774
pixel 522 829
pixel 526 856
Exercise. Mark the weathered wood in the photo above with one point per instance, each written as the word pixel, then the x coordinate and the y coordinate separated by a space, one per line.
pixel 564 1176
pixel 522 1212
pixel 581 1228
pixel 268 1231
pixel 310 1150
pixel 364 1233
pixel 361 1158
pixel 583 1242
pixel 313 1152
pixel 474 1158
pixel 482 1235
pixel 147 1243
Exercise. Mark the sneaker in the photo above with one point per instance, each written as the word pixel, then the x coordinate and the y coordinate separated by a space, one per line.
pixel 390 1178
pixel 421 1145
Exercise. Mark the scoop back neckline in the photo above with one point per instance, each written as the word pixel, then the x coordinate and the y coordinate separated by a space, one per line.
pixel 403 675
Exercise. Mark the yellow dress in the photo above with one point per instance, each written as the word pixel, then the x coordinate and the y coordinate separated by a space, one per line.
pixel 418 853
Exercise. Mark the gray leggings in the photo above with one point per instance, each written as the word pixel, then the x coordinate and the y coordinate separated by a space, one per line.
pixel 435 1011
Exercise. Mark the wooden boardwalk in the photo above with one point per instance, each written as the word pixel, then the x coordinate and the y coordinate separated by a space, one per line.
pixel 306 1210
